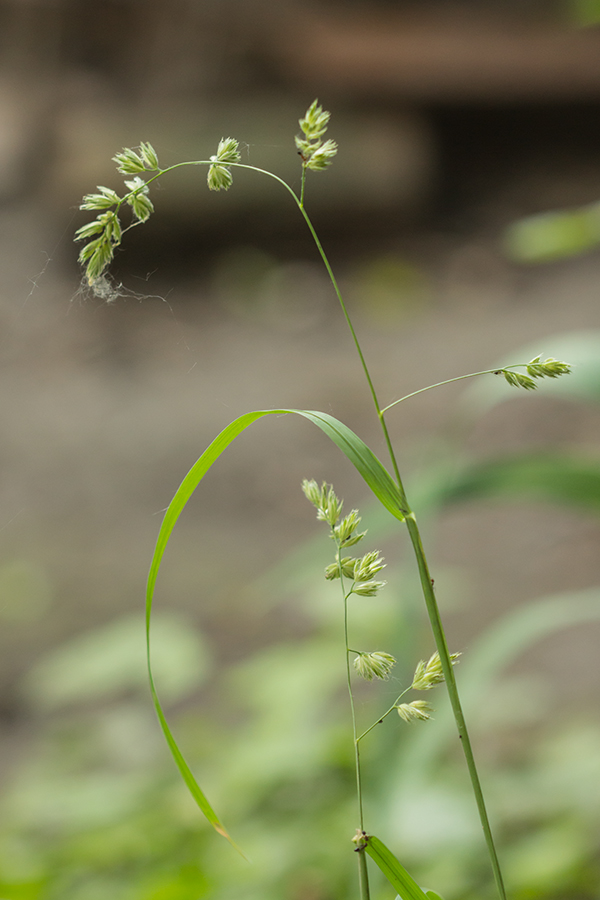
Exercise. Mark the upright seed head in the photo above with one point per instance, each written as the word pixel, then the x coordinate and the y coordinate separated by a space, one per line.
pixel 315 153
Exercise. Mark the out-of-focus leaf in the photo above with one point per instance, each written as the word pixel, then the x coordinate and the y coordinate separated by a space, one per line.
pixel 493 652
pixel 557 479
pixel 585 12
pixel 553 235
pixel 579 348
pixel 396 874
pixel 109 660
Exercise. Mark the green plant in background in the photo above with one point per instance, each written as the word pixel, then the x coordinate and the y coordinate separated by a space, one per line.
pixel 102 237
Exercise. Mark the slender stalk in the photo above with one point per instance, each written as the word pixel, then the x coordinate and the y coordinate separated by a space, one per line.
pixel 448 670
pixel 363 875
pixel 430 387
pixel 384 716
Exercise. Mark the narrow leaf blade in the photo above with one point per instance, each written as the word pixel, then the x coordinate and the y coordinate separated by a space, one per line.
pixel 362 458
pixel 396 874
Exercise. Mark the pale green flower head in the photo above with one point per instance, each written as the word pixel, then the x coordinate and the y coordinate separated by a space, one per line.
pixel 97 255
pixel 312 491
pixel 346 532
pixel 148 154
pixel 104 200
pixel 219 177
pixel 428 674
pixel 314 122
pixel 517 379
pixel 129 162
pixel 547 368
pixel 315 153
pixel 368 588
pixel 322 157
pixel 345 567
pixel 374 665
pixel 367 567
pixel 138 198
pixel 536 368
pixel 328 504
pixel 412 712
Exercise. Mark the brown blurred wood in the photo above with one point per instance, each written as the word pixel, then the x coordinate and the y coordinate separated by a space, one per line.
pixel 446 55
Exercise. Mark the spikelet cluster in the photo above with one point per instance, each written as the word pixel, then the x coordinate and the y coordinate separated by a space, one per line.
pixel 417 710
pixel 428 674
pixel 360 570
pixel 219 176
pixel 316 154
pixel 536 368
pixel 377 664
pixel 104 234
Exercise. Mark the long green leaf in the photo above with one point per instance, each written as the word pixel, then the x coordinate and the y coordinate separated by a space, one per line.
pixel 365 461
pixel 396 874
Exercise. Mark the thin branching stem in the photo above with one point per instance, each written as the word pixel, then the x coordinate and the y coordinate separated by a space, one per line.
pixel 430 387
pixel 363 876
pixel 384 716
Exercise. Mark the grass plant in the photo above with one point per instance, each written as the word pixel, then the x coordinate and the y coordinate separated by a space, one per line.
pixel 357 576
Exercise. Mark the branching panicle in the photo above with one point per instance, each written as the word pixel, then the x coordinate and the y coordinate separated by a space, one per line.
pixel 98 253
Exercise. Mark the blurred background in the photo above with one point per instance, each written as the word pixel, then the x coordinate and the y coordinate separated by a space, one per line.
pixel 466 185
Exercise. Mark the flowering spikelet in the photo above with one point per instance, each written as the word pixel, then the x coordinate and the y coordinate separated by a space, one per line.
pixel 106 230
pixel 411 712
pixel 219 176
pixel 536 368
pixel 377 664
pixel 428 674
pixel 315 153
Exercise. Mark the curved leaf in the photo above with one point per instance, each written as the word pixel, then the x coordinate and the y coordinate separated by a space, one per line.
pixel 396 874
pixel 366 463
